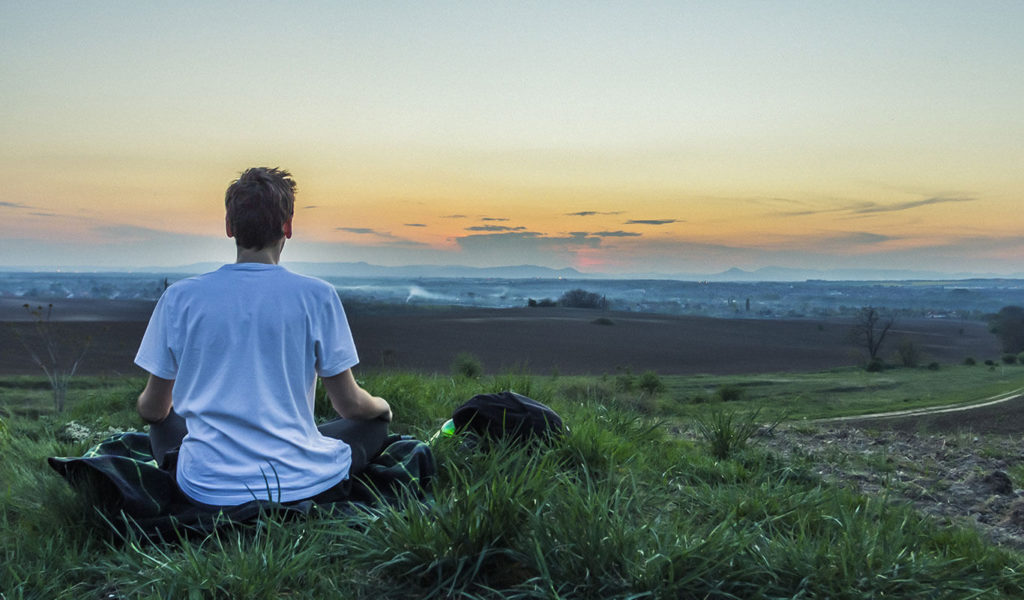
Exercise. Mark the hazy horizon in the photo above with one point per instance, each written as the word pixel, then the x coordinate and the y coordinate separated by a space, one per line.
pixel 364 270
pixel 654 137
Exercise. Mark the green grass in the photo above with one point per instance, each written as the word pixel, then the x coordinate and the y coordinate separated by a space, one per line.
pixel 843 392
pixel 621 508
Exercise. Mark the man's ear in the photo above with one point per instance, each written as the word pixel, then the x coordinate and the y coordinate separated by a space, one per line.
pixel 227 228
pixel 286 229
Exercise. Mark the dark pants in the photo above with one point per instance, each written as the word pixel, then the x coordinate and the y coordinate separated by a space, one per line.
pixel 365 438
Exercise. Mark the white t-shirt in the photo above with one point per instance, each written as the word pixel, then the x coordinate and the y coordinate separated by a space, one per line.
pixel 244 345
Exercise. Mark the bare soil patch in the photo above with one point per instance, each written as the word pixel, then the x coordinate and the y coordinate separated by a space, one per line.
pixel 959 475
pixel 536 340
pixel 572 341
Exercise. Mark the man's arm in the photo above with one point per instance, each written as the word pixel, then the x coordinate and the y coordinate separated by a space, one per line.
pixel 155 400
pixel 351 401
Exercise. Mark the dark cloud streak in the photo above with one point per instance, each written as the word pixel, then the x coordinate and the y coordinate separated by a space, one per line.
pixel 618 233
pixel 591 213
pixel 651 221
pixel 494 228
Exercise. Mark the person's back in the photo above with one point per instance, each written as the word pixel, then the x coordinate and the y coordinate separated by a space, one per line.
pixel 242 347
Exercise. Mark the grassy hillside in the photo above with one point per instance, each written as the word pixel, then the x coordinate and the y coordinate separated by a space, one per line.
pixel 623 507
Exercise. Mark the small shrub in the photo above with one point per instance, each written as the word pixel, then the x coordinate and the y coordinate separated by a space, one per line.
pixel 989 362
pixel 638 403
pixel 651 383
pixel 1020 358
pixel 468 366
pixel 603 321
pixel 933 366
pixel 625 381
pixel 1010 359
pixel 728 431
pixel 875 365
pixel 580 298
pixel 730 393
pixel 970 362
pixel 586 391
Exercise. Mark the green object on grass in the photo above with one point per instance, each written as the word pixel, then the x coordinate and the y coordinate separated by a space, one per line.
pixel 448 429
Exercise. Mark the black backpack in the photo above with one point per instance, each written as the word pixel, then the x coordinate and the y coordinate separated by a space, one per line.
pixel 508 414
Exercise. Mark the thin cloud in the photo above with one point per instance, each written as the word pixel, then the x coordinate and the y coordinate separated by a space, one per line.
pixel 43 214
pixel 454 217
pixel 868 208
pixel 309 206
pixel 415 225
pixel 494 219
pixel 864 238
pixel 618 233
pixel 591 213
pixel 526 247
pixel 13 205
pixel 651 221
pixel 495 228
pixel 133 234
pixel 387 237
pixel 878 208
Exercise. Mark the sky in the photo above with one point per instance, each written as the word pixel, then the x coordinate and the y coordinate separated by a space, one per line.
pixel 611 137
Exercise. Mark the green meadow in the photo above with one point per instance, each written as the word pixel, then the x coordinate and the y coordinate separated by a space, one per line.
pixel 658 490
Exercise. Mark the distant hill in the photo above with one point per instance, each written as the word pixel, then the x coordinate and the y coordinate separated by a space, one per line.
pixel 779 274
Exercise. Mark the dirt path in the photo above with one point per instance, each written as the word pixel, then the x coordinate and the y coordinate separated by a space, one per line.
pixel 989 415
pixel 1002 414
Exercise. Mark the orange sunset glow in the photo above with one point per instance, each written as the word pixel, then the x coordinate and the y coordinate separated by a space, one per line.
pixel 655 138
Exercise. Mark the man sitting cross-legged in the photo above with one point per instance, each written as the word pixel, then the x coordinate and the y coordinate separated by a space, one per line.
pixel 234 356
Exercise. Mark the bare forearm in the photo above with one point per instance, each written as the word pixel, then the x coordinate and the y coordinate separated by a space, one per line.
pixel 351 401
pixel 364 406
pixel 154 403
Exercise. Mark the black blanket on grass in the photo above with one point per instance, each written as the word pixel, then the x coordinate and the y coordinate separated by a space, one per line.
pixel 124 482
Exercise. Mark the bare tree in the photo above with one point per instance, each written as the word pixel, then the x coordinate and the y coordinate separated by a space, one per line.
pixel 58 357
pixel 869 330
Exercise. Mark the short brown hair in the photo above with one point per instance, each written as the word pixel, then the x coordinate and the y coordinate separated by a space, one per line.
pixel 258 203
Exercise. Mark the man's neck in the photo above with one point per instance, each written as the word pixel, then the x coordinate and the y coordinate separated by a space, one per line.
pixel 269 255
